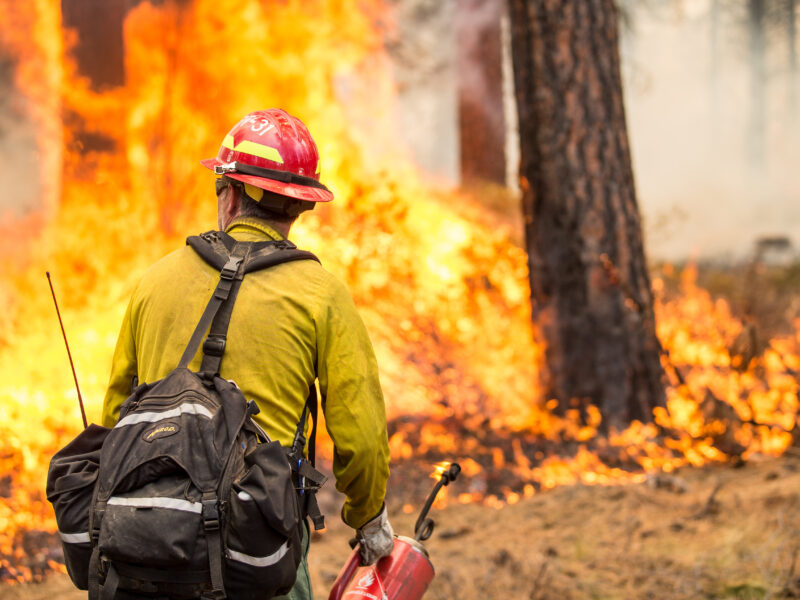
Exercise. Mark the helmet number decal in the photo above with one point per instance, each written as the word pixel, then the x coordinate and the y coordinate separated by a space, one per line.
pixel 260 126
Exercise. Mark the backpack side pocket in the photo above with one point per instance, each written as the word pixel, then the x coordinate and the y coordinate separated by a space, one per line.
pixel 70 488
pixel 263 537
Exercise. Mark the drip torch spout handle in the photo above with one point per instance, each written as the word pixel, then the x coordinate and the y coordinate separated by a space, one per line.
pixel 424 525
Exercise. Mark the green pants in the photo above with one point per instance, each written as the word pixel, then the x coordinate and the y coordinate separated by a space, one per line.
pixel 302 586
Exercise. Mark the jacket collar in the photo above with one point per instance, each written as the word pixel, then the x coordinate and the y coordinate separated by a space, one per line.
pixel 252 225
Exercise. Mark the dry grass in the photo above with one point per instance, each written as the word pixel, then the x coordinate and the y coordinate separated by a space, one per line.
pixel 670 538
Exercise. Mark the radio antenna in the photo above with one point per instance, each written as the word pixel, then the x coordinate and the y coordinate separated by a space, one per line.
pixel 69 354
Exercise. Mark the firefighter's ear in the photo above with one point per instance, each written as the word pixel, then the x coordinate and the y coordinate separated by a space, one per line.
pixel 229 201
pixel 234 202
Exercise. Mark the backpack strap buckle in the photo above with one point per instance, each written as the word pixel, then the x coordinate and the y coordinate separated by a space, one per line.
pixel 214 345
pixel 231 267
pixel 210 514
pixel 284 245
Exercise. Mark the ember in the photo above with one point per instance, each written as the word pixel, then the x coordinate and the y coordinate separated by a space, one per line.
pixel 444 296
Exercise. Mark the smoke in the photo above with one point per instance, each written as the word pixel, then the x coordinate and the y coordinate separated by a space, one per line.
pixel 422 49
pixel 713 150
pixel 705 190
pixel 18 149
pixel 710 184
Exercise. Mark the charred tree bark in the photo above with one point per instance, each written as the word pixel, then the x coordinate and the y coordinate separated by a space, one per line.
pixel 589 282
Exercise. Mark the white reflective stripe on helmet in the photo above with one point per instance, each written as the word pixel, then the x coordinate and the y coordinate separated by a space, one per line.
pixel 75 538
pixel 260 561
pixel 157 502
pixel 152 417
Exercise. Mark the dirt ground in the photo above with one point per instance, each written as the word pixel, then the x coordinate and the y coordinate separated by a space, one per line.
pixel 716 532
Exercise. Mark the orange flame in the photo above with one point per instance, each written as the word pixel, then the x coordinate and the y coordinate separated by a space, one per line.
pixel 444 294
pixel 439 469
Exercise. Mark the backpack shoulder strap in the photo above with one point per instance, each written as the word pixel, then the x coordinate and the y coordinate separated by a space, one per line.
pixel 217 248
pixel 228 276
pixel 267 254
pixel 214 247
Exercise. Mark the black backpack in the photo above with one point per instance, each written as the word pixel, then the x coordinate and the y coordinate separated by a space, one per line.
pixel 187 497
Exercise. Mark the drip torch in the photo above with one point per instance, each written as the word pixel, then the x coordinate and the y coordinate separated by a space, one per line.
pixel 405 573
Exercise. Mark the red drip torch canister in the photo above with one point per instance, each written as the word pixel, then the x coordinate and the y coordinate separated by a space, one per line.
pixel 404 574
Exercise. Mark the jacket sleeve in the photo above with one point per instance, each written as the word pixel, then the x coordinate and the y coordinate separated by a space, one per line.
pixel 123 370
pixel 353 405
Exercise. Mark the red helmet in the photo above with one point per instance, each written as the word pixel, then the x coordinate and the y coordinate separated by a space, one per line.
pixel 274 151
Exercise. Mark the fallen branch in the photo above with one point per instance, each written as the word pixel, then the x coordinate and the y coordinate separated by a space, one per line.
pixel 711 506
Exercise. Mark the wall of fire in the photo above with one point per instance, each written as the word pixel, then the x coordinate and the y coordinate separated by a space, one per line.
pixel 710 183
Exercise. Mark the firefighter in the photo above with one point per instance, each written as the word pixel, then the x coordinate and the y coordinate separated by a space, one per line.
pixel 291 323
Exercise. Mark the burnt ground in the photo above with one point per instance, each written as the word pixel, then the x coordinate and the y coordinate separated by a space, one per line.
pixel 715 532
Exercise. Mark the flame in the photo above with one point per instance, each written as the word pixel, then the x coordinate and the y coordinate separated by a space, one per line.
pixel 442 290
pixel 439 469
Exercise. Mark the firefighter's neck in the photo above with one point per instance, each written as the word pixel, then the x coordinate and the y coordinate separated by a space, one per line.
pixel 228 208
pixel 280 227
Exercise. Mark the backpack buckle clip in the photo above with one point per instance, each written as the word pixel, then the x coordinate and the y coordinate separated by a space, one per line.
pixel 210 515
pixel 231 267
pixel 214 346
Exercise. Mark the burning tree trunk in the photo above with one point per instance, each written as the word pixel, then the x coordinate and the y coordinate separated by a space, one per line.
pixel 589 282
pixel 98 48
pixel 99 53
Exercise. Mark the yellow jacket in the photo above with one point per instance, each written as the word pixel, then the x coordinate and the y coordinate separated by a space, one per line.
pixel 285 319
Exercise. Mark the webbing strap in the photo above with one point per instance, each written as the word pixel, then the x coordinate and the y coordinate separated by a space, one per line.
pixel 94 573
pixel 218 248
pixel 213 531
pixel 214 346
pixel 314 513
pixel 227 278
pixel 111 584
pixel 215 563
pixel 312 442
pixel 309 480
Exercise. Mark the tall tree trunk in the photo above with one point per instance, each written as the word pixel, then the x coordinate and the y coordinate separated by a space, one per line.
pixel 99 53
pixel 98 49
pixel 589 281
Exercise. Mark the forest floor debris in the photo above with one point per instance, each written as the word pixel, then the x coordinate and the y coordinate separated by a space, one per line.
pixel 618 542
